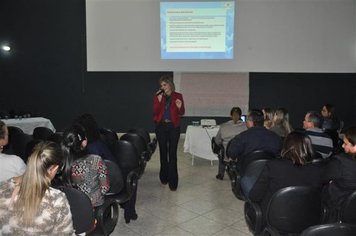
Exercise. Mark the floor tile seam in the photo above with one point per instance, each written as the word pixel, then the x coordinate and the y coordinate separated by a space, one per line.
pixel 223 226
pixel 156 215
pixel 219 222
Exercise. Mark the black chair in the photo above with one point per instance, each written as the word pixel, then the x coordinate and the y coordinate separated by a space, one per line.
pixel 151 144
pixel 337 142
pixel 250 167
pixel 335 229
pixel 42 133
pixel 81 209
pixel 218 149
pixel 293 209
pixel 18 142
pixel 13 130
pixel 127 160
pixel 141 147
pixel 117 182
pixel 109 137
pixel 347 213
pixel 56 137
pixel 84 217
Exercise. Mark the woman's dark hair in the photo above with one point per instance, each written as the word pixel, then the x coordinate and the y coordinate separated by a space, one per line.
pixel 237 110
pixel 91 127
pixel 330 108
pixel 71 145
pixel 297 147
pixel 2 129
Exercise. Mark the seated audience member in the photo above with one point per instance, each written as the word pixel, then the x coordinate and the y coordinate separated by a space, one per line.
pixel 95 144
pixel 341 174
pixel 268 114
pixel 294 168
pixel 256 137
pixel 280 123
pixel 28 205
pixel 330 120
pixel 226 132
pixel 11 165
pixel 86 172
pixel 322 143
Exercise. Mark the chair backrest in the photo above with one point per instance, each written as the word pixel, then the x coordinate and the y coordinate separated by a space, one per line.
pixel 56 137
pixel 136 140
pixel 126 156
pixel 42 133
pixel 81 209
pixel 151 144
pixel 337 142
pixel 109 137
pixel 13 130
pixel 335 229
pixel 18 144
pixel 141 132
pixel 140 145
pixel 253 156
pixel 216 148
pixel 115 177
pixel 250 176
pixel 293 209
pixel 348 210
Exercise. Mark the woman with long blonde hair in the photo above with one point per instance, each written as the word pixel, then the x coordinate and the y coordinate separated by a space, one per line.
pixel 280 123
pixel 28 203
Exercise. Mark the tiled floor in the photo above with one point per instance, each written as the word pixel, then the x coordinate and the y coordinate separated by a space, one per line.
pixel 202 205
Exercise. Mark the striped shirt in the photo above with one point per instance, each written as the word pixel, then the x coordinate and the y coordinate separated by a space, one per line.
pixel 322 143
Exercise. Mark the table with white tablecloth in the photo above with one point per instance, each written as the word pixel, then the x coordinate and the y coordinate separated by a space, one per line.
pixel 29 124
pixel 198 142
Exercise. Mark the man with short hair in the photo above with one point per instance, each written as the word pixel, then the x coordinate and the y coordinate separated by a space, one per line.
pixel 256 137
pixel 321 142
pixel 226 132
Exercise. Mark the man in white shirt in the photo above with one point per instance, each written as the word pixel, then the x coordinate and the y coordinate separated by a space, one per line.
pixel 228 131
pixel 10 165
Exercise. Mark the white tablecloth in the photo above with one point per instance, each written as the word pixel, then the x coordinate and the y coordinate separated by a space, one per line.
pixel 198 142
pixel 29 124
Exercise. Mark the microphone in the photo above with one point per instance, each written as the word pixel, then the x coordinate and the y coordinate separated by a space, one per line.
pixel 159 92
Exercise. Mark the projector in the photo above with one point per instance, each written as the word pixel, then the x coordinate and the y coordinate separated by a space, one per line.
pixel 207 122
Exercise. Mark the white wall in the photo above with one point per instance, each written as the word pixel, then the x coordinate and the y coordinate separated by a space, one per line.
pixel 270 36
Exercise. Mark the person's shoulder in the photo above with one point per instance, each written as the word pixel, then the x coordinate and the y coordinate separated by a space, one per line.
pixel 55 191
pixel 93 157
pixel 58 197
pixel 10 156
pixel 57 194
pixel 343 157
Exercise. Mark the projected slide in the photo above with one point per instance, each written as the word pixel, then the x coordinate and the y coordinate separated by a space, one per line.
pixel 197 30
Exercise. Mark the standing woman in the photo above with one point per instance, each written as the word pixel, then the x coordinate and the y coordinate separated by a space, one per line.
pixel 28 203
pixel 168 107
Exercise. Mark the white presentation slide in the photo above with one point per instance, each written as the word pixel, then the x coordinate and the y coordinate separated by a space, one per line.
pixel 197 30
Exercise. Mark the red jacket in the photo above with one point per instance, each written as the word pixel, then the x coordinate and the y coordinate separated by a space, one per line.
pixel 158 108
